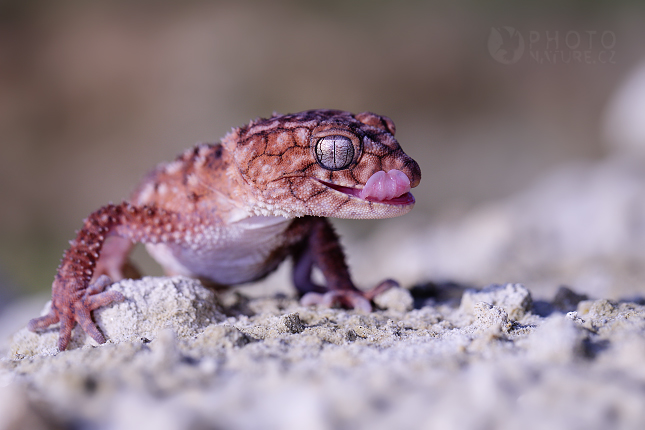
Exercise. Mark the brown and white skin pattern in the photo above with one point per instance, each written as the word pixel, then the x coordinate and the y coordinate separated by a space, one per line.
pixel 231 212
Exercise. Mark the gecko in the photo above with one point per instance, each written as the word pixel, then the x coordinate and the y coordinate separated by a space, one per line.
pixel 231 212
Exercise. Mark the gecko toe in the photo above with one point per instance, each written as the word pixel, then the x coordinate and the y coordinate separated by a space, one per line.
pixel 98 300
pixel 42 322
pixel 84 318
pixel 359 303
pixel 327 299
pixel 310 299
pixel 345 298
pixel 65 332
pixel 99 285
pixel 381 288
pixel 95 297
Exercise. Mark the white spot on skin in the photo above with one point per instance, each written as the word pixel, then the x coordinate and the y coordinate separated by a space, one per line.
pixel 283 139
pixel 307 187
pixel 200 161
pixel 188 153
pixel 193 180
pixel 301 136
pixel 203 150
pixel 174 167
pixel 145 196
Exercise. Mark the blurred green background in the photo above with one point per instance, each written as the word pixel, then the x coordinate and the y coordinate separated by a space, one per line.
pixel 94 94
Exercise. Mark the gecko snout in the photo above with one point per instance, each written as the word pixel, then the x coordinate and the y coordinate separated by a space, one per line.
pixel 414 172
pixel 406 165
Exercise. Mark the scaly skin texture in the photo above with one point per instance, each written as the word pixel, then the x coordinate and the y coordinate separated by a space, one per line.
pixel 229 213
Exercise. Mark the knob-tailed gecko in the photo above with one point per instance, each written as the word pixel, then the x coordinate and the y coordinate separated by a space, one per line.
pixel 231 212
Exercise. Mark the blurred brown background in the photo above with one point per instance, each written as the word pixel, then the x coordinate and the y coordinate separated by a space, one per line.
pixel 94 94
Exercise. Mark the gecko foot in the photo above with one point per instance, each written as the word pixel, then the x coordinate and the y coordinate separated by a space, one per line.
pixel 351 299
pixel 78 311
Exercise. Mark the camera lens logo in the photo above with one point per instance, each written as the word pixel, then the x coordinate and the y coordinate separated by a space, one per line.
pixel 505 44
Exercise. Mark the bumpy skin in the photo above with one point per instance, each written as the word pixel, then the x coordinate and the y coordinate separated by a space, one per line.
pixel 230 212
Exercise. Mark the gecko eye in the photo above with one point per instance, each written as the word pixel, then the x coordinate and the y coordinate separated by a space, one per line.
pixel 335 152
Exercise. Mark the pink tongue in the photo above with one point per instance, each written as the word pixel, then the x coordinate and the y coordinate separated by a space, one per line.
pixel 383 186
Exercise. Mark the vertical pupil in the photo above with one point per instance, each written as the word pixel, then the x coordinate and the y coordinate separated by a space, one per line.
pixel 335 152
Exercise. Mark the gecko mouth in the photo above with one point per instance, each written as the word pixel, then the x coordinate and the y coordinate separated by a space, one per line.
pixel 390 188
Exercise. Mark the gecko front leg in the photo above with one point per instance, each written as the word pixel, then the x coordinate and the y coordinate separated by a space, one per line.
pixel 73 297
pixel 322 249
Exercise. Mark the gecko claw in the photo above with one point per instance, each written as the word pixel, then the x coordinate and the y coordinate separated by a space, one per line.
pixel 381 288
pixel 344 298
pixel 359 300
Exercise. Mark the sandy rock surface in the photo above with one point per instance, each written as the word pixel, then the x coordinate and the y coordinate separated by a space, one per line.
pixel 180 356
pixel 437 355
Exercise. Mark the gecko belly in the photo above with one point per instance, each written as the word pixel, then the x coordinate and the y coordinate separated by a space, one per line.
pixel 241 252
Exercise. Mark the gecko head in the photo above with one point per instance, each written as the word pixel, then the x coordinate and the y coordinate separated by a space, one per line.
pixel 323 163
